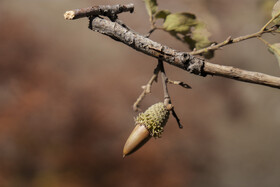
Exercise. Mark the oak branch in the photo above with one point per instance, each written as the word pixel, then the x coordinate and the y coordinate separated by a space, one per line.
pixel 118 31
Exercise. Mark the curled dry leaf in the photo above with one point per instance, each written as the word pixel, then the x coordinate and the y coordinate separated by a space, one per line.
pixel 275 12
pixel 275 49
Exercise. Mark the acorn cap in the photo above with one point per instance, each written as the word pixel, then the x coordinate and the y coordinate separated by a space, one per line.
pixel 148 124
pixel 154 119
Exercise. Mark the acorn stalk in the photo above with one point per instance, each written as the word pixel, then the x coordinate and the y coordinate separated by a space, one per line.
pixel 148 124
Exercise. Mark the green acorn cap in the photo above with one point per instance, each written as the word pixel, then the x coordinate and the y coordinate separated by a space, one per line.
pixel 154 119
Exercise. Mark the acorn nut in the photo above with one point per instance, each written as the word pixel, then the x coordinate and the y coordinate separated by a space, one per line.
pixel 148 124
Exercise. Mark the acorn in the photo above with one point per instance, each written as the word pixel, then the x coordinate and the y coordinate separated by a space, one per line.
pixel 148 124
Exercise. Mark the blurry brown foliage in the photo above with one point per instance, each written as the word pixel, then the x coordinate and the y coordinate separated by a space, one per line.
pixel 66 95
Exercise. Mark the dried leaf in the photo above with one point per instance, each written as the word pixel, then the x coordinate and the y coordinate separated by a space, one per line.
pixel 275 49
pixel 151 6
pixel 275 12
pixel 179 22
pixel 199 39
pixel 185 27
pixel 162 14
pixel 200 34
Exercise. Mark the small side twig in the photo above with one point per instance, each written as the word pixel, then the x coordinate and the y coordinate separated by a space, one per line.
pixel 264 41
pixel 146 89
pixel 167 100
pixel 180 83
pixel 177 118
pixel 164 79
pixel 229 40
pixel 213 47
pixel 269 22
pixel 150 32
pixel 110 11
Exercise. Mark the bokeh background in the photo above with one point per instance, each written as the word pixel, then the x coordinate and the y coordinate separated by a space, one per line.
pixel 66 96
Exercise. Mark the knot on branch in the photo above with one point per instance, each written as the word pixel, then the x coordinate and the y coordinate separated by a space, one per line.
pixel 192 64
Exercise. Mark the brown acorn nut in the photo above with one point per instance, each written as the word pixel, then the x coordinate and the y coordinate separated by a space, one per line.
pixel 138 137
pixel 148 124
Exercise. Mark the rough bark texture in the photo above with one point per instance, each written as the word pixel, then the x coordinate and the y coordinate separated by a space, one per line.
pixel 140 43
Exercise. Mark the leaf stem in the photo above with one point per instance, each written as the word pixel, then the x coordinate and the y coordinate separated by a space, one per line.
pixel 270 21
pixel 264 41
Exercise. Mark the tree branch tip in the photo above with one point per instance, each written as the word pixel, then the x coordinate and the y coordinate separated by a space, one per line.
pixel 110 11
pixel 177 118
pixel 130 7
pixel 69 15
pixel 180 83
pixel 184 85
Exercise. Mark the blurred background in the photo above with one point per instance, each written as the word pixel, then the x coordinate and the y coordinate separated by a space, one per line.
pixel 66 96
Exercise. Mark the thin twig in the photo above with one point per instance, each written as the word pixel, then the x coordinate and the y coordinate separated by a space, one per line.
pixel 180 83
pixel 153 29
pixel 167 99
pixel 150 32
pixel 101 10
pixel 270 21
pixel 164 79
pixel 229 40
pixel 146 89
pixel 177 118
pixel 264 41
